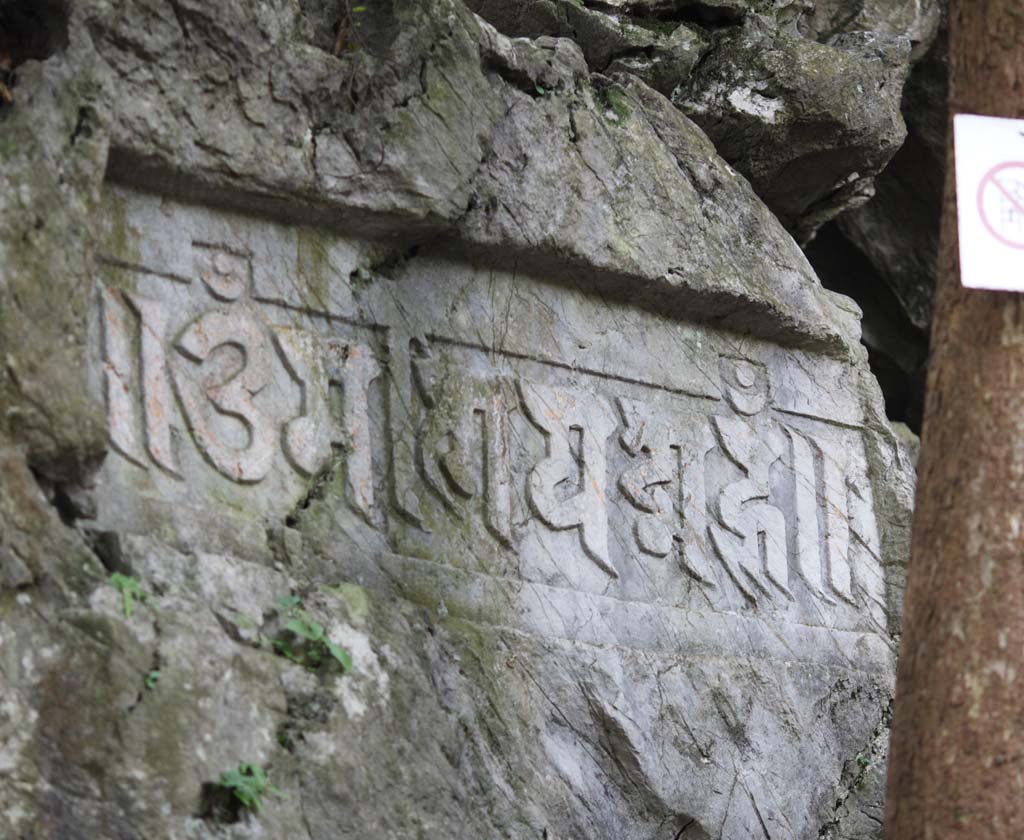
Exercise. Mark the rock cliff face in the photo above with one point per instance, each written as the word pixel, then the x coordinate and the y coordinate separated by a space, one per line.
pixel 428 403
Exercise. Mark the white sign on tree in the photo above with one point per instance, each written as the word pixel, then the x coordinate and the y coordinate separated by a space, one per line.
pixel 990 201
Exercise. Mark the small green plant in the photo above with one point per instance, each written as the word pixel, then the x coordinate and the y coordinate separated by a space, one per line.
pixel 248 784
pixel 152 678
pixel 130 589
pixel 864 764
pixel 306 642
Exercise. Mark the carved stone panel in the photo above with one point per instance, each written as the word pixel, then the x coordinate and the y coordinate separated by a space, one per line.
pixel 478 423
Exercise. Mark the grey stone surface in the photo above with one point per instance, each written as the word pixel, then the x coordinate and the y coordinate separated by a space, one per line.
pixel 809 123
pixel 899 230
pixel 889 260
pixel 491 361
pixel 803 98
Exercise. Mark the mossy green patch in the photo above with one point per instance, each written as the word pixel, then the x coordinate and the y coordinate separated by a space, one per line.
pixel 313 267
pixel 612 101
pixel 356 599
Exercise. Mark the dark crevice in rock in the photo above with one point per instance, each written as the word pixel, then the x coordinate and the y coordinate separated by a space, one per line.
pixel 307 712
pixel 318 488
pixel 884 254
pixel 700 12
pixel 179 16
pixel 29 30
pixel 519 78
pixel 218 805
pixel 106 545
pixel 73 498
pixel 32 29
pixel 87 119
pixel 897 349
pixel 863 771
pixel 342 27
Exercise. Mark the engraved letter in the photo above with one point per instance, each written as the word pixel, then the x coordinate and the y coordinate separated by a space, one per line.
pixel 562 415
pixel 403 425
pixel 354 368
pixel 837 524
pixel 307 439
pixel 233 396
pixel 446 449
pixel 668 484
pixel 117 351
pixel 808 539
pixel 752 530
pixel 157 400
pixel 830 502
pixel 745 385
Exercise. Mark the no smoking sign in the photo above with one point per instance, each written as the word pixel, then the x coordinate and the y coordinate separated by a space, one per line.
pixel 990 201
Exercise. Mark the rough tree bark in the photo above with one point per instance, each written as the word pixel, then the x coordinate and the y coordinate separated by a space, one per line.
pixel 957 756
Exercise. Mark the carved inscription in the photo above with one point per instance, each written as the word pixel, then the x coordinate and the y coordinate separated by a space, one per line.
pixel 318 366
pixel 667 485
pixel 750 533
pixel 785 510
pixel 220 363
pixel 229 391
pixel 568 488
pixel 470 423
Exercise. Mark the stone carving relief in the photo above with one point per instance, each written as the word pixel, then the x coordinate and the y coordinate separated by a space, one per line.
pixel 228 389
pixel 452 438
pixel 568 488
pixel 667 484
pixel 469 425
pixel 318 366
pixel 208 377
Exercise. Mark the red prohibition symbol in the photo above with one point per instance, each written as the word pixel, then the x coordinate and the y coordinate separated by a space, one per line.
pixel 1001 203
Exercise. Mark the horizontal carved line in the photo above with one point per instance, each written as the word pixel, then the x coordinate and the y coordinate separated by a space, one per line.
pixel 544 360
pixel 853 427
pixel 221 246
pixel 113 262
pixel 318 313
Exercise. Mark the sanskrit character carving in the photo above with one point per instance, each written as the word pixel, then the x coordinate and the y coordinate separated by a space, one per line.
pixel 316 365
pixel 806 504
pixel 750 533
pixel 836 519
pixel 863 526
pixel 118 374
pixel 462 411
pixel 225 275
pixel 830 512
pixel 745 385
pixel 354 367
pixel 667 485
pixel 568 488
pixel 228 393
pixel 307 439
pixel 157 397
pixel 403 423
pixel 127 314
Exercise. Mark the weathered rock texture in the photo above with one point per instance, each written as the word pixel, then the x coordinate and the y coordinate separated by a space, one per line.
pixel 803 98
pixel 478 358
pixel 888 260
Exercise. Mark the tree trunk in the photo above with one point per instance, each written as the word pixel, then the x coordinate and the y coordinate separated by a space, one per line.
pixel 957 756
